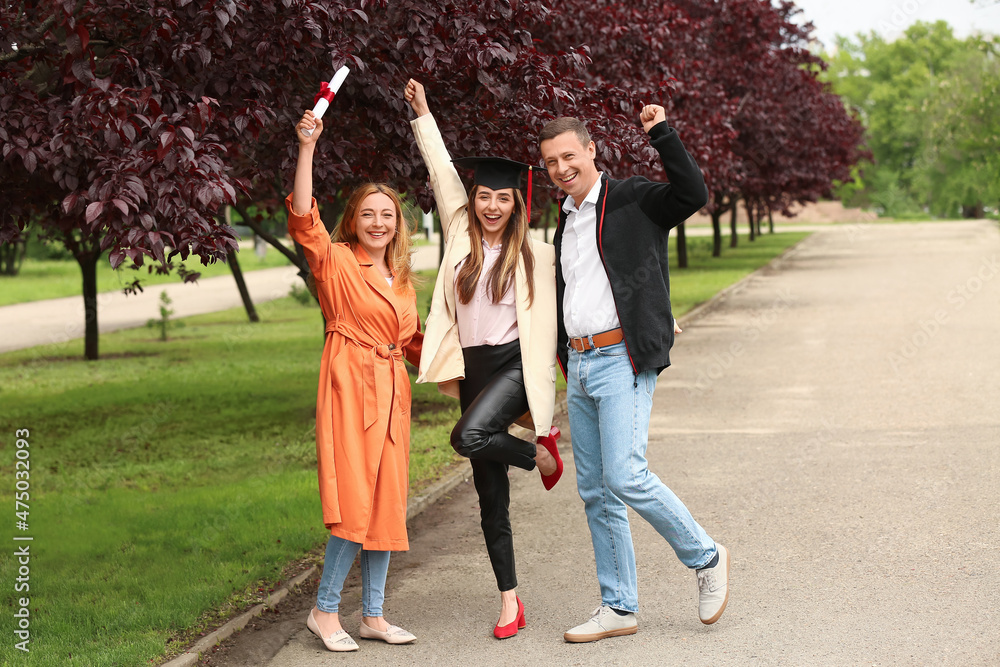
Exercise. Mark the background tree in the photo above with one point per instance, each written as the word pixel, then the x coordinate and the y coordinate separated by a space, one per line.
pixel 924 100
pixel 738 84
pixel 654 52
pixel 961 152
pixel 112 139
pixel 127 125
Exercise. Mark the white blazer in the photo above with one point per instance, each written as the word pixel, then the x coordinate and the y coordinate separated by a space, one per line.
pixel 441 359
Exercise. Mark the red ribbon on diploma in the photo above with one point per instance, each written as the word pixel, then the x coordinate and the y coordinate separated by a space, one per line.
pixel 325 93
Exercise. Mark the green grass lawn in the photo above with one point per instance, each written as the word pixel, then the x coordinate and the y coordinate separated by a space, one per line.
pixel 171 480
pixel 51 279
pixel 706 275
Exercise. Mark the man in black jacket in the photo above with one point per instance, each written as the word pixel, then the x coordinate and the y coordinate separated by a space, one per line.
pixel 615 330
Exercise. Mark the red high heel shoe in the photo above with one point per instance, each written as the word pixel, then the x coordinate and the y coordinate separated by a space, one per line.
pixel 549 442
pixel 509 630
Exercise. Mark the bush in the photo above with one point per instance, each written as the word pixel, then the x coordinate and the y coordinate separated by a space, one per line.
pixel 300 294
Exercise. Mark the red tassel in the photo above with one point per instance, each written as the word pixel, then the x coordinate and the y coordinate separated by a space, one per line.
pixel 529 196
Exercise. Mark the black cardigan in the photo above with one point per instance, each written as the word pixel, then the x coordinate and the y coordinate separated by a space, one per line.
pixel 634 218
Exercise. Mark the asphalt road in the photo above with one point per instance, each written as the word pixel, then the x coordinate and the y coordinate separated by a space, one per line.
pixel 833 420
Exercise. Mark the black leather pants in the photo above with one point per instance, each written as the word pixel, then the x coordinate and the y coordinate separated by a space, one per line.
pixel 492 396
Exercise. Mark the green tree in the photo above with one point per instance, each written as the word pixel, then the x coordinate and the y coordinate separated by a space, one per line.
pixel 919 97
pixel 960 155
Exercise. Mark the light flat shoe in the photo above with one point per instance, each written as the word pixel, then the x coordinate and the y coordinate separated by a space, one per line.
pixel 338 641
pixel 605 623
pixel 394 635
pixel 713 588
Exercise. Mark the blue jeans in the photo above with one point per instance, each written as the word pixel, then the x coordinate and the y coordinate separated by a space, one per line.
pixel 609 410
pixel 340 556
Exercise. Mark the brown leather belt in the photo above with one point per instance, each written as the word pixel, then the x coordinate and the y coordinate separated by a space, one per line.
pixel 602 339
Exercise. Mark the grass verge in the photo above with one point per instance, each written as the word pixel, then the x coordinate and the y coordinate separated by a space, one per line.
pixel 706 276
pixel 50 279
pixel 172 479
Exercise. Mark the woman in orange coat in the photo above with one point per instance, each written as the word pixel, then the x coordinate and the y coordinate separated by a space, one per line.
pixel 367 297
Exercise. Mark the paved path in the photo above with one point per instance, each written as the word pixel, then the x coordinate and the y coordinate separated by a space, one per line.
pixel 62 320
pixel 834 421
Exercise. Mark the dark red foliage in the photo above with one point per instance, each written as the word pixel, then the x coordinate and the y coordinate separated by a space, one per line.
pixel 129 123
pixel 649 52
pixel 737 83
pixel 490 89
pixel 123 120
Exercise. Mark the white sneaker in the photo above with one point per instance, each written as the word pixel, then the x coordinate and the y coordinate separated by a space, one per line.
pixel 605 623
pixel 713 588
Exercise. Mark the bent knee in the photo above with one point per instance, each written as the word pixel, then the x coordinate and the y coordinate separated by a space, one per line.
pixel 467 441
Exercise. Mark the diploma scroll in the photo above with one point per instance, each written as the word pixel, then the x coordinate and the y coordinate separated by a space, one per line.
pixel 326 94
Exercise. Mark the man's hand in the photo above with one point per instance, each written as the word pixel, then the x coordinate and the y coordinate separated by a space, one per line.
pixel 414 94
pixel 650 115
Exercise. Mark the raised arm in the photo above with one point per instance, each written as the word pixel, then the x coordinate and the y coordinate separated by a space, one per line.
pixel 670 204
pixel 449 193
pixel 303 185
pixel 304 224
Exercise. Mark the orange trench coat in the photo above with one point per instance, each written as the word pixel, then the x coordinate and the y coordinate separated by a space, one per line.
pixel 363 402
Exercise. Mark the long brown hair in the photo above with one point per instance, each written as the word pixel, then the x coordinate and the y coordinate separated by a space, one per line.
pixel 516 241
pixel 397 254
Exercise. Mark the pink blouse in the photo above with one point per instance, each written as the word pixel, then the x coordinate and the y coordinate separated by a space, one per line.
pixel 482 322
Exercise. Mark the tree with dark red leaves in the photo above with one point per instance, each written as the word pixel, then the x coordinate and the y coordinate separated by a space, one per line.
pixel 649 52
pixel 126 126
pixel 492 91
pixel 117 115
pixel 742 93
pixel 794 138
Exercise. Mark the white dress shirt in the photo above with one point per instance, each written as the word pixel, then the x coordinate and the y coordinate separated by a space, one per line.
pixel 588 304
pixel 482 322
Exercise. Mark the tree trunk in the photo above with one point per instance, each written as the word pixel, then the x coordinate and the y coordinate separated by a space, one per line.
pixel 973 211
pixel 682 247
pixel 270 238
pixel 753 231
pixel 234 266
pixel 12 256
pixel 87 258
pixel 733 211
pixel 716 233
pixel 770 221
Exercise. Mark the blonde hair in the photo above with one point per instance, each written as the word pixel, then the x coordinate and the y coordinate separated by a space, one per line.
pixel 397 253
pixel 516 241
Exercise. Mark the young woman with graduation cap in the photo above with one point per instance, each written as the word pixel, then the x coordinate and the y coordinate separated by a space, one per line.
pixel 490 339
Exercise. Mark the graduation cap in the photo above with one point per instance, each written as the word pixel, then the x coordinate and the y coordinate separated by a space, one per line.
pixel 497 173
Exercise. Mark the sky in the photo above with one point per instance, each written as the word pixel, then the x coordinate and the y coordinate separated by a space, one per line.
pixel 890 18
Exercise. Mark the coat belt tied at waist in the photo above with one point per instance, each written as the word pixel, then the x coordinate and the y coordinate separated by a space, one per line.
pixel 382 376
